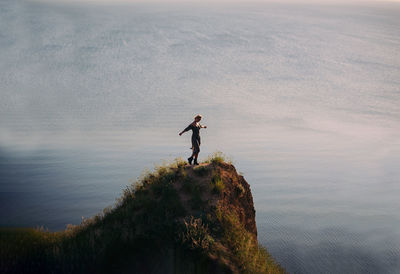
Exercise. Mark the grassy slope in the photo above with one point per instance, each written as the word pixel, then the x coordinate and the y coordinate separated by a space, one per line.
pixel 173 220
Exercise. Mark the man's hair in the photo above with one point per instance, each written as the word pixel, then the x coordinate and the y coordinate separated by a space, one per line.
pixel 198 116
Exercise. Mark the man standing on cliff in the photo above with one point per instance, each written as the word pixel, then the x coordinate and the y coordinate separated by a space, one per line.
pixel 195 127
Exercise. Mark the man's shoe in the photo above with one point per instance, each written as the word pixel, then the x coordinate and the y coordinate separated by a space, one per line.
pixel 190 159
pixel 196 163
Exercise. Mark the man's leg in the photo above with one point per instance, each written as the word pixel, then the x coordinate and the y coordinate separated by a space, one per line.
pixel 190 159
pixel 195 158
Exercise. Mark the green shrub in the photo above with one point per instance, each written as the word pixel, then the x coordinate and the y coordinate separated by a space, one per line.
pixel 196 234
pixel 179 163
pixel 217 158
pixel 248 255
pixel 217 185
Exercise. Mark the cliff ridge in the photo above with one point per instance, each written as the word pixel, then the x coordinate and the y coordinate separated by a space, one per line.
pixel 176 219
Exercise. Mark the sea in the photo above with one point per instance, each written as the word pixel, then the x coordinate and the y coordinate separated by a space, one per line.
pixel 302 97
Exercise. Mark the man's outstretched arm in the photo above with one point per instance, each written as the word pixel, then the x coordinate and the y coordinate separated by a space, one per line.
pixel 183 131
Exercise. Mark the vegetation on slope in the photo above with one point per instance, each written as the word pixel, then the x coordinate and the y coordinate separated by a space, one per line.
pixel 177 219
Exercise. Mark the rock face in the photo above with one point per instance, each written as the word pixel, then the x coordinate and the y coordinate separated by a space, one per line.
pixel 237 197
pixel 177 219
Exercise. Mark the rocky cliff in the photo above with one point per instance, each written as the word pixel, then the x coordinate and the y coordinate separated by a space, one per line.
pixel 177 219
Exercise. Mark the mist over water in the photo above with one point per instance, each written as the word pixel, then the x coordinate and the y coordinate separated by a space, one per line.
pixel 304 98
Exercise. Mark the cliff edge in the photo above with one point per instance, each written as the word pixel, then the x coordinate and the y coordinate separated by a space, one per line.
pixel 177 219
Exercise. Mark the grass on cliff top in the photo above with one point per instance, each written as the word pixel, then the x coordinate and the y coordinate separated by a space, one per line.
pixel 148 219
pixel 218 157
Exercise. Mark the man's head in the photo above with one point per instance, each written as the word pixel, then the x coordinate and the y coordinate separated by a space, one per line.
pixel 198 117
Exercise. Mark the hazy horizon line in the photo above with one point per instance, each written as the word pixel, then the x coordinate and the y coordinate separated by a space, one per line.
pixel 220 1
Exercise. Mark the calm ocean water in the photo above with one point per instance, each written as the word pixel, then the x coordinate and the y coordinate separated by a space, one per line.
pixel 304 98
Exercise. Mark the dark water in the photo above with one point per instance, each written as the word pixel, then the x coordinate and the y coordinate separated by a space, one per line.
pixel 304 99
